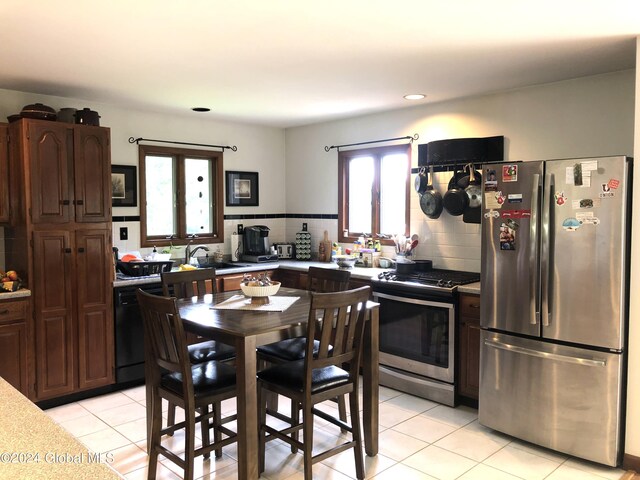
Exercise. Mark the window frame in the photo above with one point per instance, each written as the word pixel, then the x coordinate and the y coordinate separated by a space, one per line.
pixel 377 153
pixel 217 197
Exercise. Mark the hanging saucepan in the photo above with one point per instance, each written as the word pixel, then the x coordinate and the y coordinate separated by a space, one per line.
pixel 431 200
pixel 455 200
pixel 421 182
pixel 474 191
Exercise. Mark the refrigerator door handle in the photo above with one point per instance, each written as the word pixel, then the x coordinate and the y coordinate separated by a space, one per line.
pixel 534 310
pixel 545 248
pixel 587 362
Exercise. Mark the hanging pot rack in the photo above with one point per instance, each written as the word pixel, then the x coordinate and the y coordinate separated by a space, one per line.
pixel 223 147
pixel 338 147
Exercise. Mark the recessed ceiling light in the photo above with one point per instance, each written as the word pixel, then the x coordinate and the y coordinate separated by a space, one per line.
pixel 201 109
pixel 414 96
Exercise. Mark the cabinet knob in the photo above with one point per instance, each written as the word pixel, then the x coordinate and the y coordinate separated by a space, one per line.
pixel 67 250
pixel 4 312
pixel 79 202
pixel 474 305
pixel 81 250
pixel 64 202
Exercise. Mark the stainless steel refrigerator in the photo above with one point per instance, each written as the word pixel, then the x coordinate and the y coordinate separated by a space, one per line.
pixel 554 303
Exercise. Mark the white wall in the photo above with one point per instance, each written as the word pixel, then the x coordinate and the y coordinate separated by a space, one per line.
pixel 260 149
pixel 591 116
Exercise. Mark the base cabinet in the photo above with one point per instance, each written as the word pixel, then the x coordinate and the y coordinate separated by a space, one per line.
pixel 15 318
pixel 72 305
pixel 469 346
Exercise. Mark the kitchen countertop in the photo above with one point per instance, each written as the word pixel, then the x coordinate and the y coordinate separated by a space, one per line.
pixel 33 446
pixel 356 272
pixel 23 292
pixel 470 288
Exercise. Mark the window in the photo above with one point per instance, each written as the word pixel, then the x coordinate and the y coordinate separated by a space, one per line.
pixel 373 193
pixel 181 192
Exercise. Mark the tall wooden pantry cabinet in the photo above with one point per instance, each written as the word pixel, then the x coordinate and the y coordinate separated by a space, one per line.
pixel 60 236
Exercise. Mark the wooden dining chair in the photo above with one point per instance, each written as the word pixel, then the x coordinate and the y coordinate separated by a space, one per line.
pixel 186 284
pixel 332 371
pixel 320 280
pixel 198 389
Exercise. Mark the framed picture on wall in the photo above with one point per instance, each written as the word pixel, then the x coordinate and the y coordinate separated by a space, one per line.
pixel 242 189
pixel 124 186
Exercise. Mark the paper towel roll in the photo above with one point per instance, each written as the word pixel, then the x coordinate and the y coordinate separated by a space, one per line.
pixel 235 247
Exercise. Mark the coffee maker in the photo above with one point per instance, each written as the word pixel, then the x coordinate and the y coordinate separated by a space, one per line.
pixel 255 244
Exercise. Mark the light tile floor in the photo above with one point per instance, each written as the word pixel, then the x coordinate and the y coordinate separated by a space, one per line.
pixel 419 440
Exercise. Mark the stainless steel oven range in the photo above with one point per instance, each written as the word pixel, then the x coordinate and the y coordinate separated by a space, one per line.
pixel 417 331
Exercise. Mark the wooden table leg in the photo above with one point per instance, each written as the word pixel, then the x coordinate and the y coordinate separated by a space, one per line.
pixel 370 383
pixel 247 409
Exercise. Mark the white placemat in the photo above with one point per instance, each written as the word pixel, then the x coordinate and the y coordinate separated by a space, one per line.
pixel 240 302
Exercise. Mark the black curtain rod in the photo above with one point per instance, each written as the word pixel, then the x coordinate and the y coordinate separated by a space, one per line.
pixel 223 147
pixel 411 139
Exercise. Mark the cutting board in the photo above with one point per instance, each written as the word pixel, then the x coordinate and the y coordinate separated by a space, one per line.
pixel 324 249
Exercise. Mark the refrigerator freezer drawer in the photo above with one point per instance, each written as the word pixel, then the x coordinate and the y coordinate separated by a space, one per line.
pixel 564 398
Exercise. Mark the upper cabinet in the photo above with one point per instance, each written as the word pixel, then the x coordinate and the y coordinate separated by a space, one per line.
pixel 69 171
pixel 4 174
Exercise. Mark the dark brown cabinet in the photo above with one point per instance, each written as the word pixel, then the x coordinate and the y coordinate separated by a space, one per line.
pixel 4 174
pixel 469 346
pixel 61 243
pixel 298 279
pixel 74 323
pixel 70 172
pixel 228 283
pixel 291 278
pixel 15 329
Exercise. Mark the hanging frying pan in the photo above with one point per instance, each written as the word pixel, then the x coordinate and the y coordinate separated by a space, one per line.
pixel 473 190
pixel 455 200
pixel 431 200
pixel 421 182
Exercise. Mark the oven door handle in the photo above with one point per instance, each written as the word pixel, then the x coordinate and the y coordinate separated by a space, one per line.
pixel 416 301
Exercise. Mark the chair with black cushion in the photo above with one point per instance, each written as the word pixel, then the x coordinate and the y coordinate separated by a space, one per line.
pixel 186 284
pixel 198 389
pixel 321 280
pixel 332 371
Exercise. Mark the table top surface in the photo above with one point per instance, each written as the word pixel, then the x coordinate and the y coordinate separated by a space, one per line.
pixel 200 317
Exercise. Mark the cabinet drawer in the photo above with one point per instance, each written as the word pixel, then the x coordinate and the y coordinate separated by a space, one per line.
pixel 11 311
pixel 231 282
pixel 470 305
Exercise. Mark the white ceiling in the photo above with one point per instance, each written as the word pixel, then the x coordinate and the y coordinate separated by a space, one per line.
pixel 293 62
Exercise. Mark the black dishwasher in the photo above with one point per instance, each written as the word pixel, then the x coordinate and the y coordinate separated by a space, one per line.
pixel 129 333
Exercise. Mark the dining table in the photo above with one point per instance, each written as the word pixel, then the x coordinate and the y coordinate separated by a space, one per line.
pixel 249 328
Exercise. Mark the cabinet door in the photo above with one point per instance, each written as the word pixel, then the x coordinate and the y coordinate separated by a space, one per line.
pixel 4 174
pixel 50 156
pixel 13 344
pixel 469 372
pixel 92 174
pixel 53 313
pixel 94 308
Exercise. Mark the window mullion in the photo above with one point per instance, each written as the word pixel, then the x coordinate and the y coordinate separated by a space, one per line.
pixel 180 200
pixel 375 197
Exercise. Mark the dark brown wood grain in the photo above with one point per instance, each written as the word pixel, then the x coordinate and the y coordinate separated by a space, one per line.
pixel 248 329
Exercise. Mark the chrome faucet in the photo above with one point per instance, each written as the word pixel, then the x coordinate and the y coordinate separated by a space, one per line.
pixel 188 253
